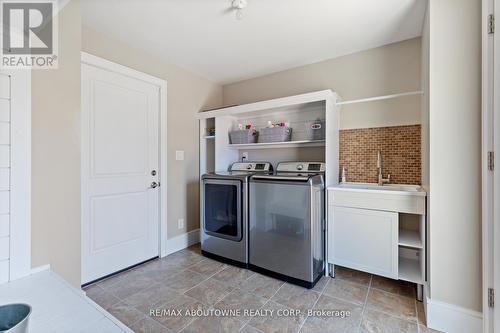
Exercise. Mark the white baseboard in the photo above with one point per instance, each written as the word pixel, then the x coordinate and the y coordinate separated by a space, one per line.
pixel 182 241
pixel 450 318
pixel 39 269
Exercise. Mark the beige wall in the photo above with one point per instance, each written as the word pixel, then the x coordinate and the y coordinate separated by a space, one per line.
pixel 385 70
pixel 455 152
pixel 187 94
pixel 56 154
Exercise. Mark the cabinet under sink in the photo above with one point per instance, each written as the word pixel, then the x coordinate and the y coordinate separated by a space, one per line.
pixel 378 229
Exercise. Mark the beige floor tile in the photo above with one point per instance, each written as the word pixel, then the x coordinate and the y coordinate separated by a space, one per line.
pixel 261 285
pixel 145 300
pixel 177 322
pixel 352 275
pixel 281 319
pixel 131 283
pixel 184 281
pixel 396 305
pixel 378 322
pixel 148 325
pixel 210 291
pixel 249 329
pixel 421 313
pixel 296 297
pixel 125 313
pixel 402 288
pixel 182 259
pixel 347 320
pixel 207 267
pixel 233 275
pixel 424 329
pixel 320 285
pixel 101 297
pixel 347 291
pixel 240 300
pixel 215 325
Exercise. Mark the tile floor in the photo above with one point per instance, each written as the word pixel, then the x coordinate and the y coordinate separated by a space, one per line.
pixel 188 281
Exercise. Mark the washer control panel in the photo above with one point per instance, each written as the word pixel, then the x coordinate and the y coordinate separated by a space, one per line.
pixel 301 167
pixel 251 166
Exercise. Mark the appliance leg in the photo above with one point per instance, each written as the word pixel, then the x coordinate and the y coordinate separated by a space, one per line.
pixel 420 292
pixel 331 270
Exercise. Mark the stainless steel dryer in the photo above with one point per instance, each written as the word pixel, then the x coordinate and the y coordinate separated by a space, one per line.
pixel 287 222
pixel 224 212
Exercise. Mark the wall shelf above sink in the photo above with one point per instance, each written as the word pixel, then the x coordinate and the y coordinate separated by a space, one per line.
pixel 288 144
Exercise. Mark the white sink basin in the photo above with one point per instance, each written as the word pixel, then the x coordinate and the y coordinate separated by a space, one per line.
pixel 392 197
pixel 410 189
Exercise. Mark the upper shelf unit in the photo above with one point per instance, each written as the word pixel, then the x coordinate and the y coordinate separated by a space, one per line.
pixel 263 108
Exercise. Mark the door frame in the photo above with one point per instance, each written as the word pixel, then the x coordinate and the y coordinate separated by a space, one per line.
pixel 92 60
pixel 490 179
pixel 20 173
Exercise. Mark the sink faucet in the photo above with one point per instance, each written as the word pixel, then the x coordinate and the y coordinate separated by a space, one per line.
pixel 381 179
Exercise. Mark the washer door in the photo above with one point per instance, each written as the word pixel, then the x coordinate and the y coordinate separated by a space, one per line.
pixel 222 209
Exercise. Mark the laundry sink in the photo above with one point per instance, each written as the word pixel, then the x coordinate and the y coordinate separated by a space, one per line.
pixel 392 197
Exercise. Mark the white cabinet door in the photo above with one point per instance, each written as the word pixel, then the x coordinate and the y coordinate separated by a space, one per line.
pixel 120 153
pixel 365 240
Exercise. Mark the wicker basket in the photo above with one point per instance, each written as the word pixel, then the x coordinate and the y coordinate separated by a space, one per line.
pixel 243 136
pixel 315 130
pixel 275 134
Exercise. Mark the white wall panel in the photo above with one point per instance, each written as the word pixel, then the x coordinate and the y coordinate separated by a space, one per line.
pixel 4 202
pixel 4 271
pixel 4 248
pixel 4 225
pixel 4 110
pixel 4 133
pixel 4 86
pixel 4 179
pixel 4 156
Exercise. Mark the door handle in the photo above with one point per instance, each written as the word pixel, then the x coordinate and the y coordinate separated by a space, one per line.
pixel 154 185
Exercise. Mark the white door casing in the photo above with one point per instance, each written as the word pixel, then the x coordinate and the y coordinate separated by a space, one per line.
pixel 121 211
pixel 15 174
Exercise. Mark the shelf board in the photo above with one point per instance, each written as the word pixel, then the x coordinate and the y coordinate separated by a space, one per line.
pixel 208 137
pixel 288 144
pixel 410 238
pixel 409 270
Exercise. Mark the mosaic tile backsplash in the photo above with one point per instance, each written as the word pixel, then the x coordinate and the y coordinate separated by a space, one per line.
pixel 400 147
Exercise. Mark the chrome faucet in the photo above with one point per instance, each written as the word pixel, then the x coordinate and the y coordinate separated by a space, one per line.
pixel 381 179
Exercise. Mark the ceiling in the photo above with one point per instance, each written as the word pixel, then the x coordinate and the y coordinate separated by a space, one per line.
pixel 205 38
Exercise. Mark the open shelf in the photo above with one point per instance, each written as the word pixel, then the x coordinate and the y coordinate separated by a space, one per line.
pixel 288 144
pixel 208 137
pixel 409 270
pixel 410 238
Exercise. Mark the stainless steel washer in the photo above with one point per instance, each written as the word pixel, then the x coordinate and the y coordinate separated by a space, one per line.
pixel 224 212
pixel 286 223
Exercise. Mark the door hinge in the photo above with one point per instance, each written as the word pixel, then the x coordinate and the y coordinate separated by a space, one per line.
pixel 491 161
pixel 491 297
pixel 491 23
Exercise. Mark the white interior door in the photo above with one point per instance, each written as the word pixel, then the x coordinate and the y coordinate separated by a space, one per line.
pixel 120 162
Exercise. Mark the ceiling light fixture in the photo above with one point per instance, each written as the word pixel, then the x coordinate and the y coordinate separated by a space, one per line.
pixel 239 5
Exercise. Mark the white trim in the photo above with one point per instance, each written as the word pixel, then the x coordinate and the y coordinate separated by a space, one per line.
pixel 283 102
pixel 39 269
pixel 20 173
pixel 449 318
pixel 183 241
pixel 489 234
pixel 89 59
pixel 380 98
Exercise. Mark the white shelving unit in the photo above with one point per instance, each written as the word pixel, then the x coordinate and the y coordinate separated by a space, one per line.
pixel 217 154
pixel 410 270
pixel 410 238
pixel 289 144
